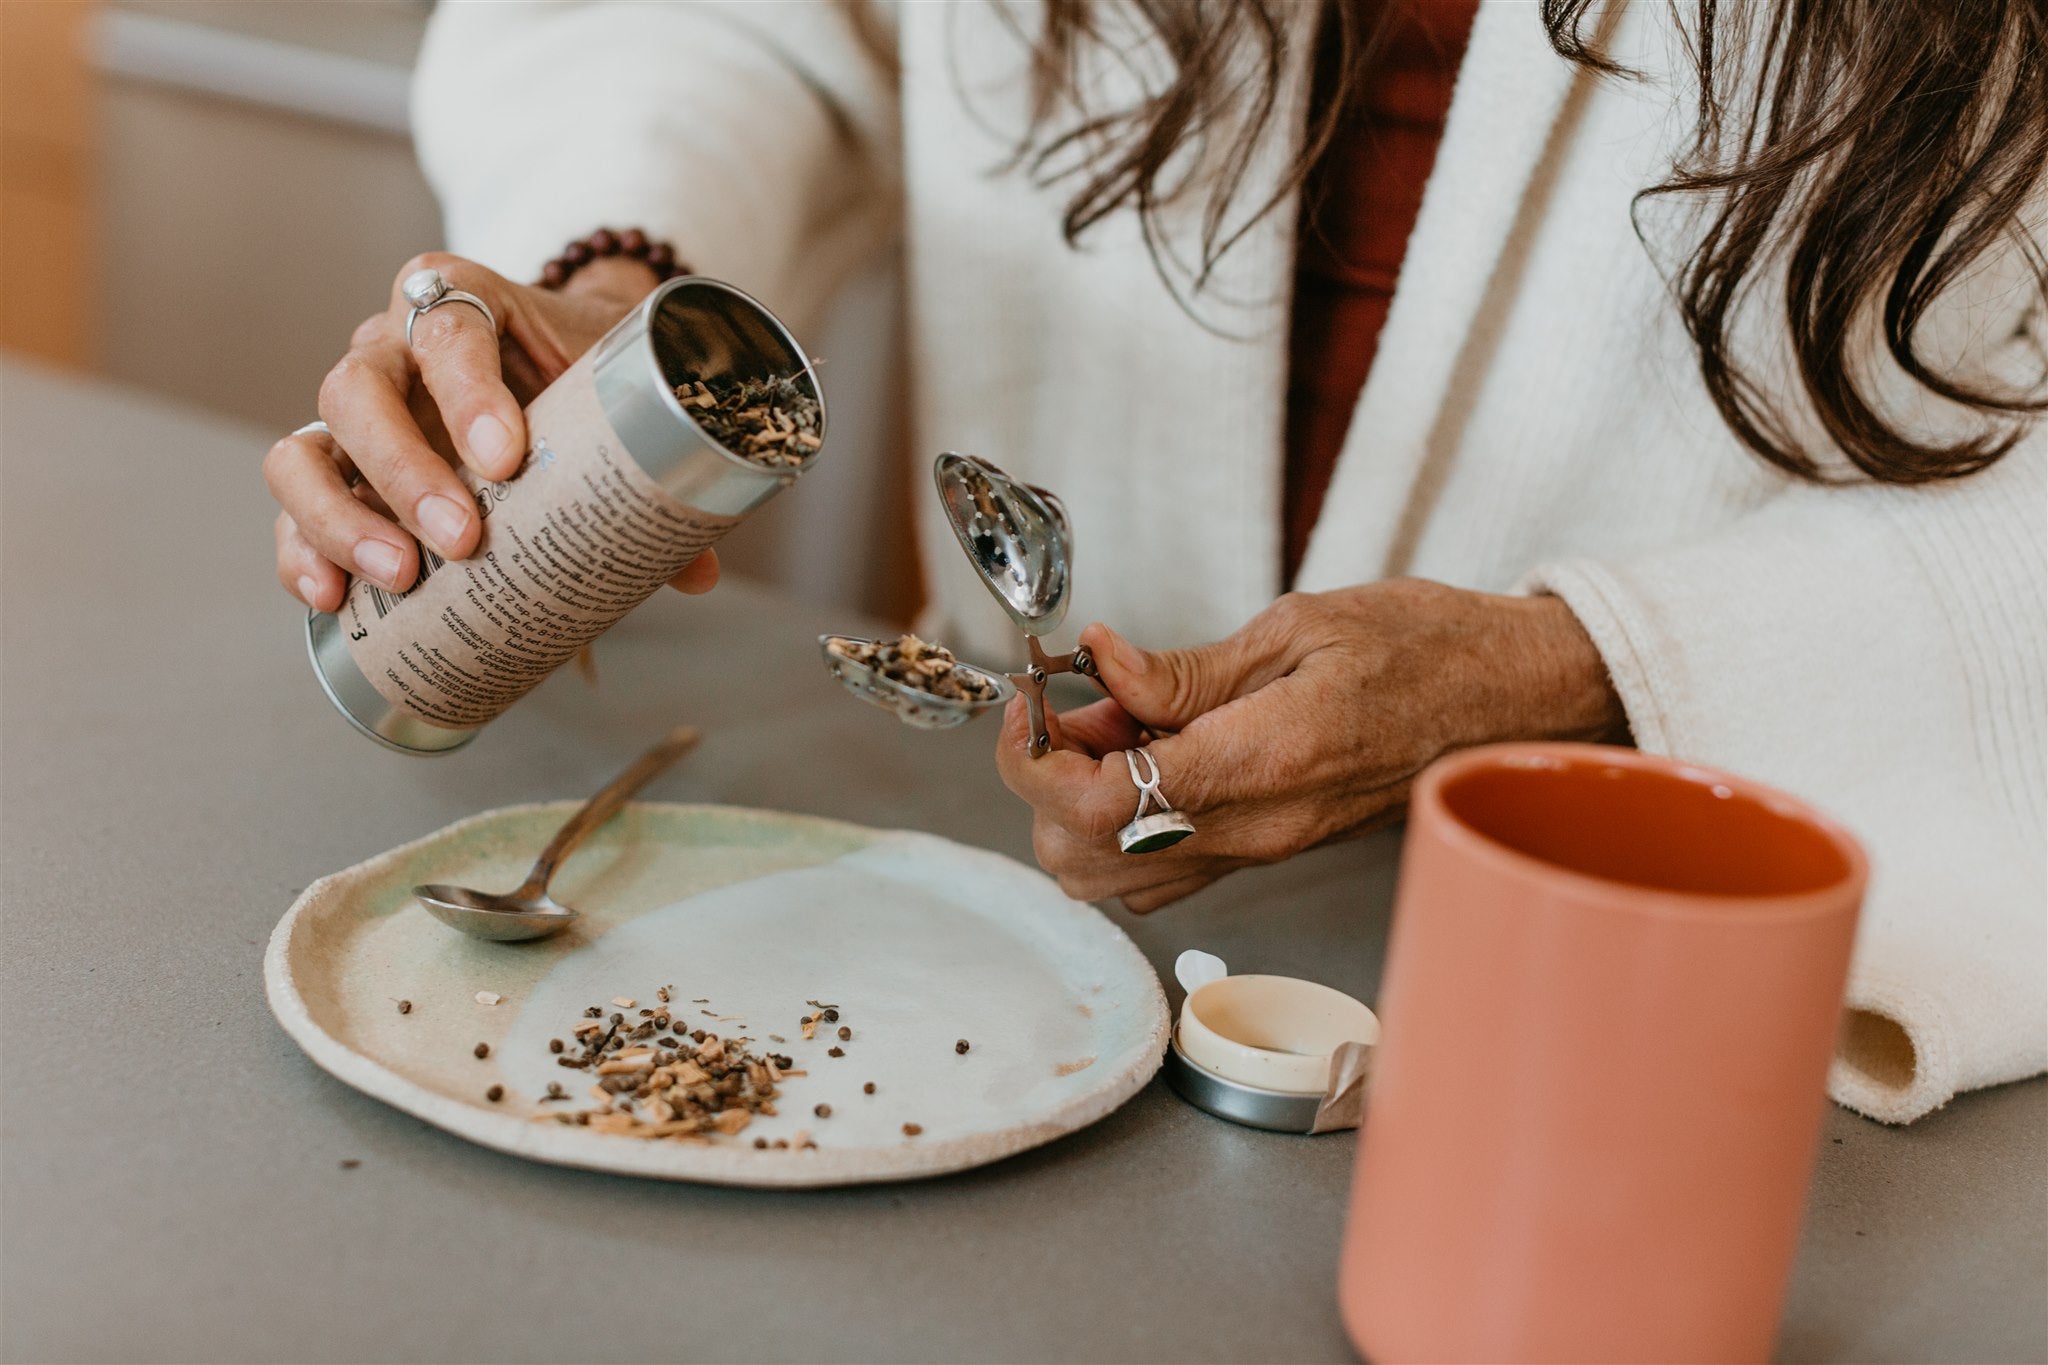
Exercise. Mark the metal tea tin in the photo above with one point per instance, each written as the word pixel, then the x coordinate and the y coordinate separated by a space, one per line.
pixel 1278 1111
pixel 620 489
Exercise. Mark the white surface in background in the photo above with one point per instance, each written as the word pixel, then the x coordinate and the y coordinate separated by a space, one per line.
pixel 214 61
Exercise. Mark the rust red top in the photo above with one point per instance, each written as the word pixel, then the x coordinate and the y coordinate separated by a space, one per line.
pixel 1358 208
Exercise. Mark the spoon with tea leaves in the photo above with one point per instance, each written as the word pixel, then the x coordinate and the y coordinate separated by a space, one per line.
pixel 922 683
pixel 530 912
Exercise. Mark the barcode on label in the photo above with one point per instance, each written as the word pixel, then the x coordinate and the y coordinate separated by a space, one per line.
pixel 384 601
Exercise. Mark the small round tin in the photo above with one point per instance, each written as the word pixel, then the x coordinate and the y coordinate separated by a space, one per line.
pixel 1279 1111
pixel 1273 1052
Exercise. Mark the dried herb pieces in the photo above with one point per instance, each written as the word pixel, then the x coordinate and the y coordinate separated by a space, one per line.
pixel 919 665
pixel 771 422
pixel 700 1090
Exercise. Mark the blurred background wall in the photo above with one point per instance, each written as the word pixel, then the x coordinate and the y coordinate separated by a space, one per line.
pixel 202 198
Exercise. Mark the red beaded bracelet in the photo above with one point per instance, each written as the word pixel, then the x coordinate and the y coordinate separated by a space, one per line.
pixel 659 257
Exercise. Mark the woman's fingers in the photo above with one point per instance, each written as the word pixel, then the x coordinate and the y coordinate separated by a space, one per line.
pixel 1070 788
pixel 364 403
pixel 307 477
pixel 1168 689
pixel 700 575
pixel 1100 728
pixel 304 571
pixel 1153 897
pixel 456 349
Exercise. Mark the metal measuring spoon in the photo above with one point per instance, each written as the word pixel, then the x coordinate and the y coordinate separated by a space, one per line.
pixel 1019 540
pixel 913 706
pixel 1015 534
pixel 530 912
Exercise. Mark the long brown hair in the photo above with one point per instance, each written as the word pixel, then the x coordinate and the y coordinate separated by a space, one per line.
pixel 1873 150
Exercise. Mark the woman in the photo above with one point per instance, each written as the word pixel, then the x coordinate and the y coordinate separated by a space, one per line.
pixel 1741 470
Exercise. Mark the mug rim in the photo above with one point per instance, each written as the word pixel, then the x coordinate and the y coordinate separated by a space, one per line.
pixel 1428 799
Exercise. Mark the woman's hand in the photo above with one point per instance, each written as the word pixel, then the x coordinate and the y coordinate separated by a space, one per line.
pixel 360 501
pixel 1306 726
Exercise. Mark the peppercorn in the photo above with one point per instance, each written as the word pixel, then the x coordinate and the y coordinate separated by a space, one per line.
pixel 495 1093
pixel 961 1047
pixel 483 1050
pixel 405 1007
pixel 823 1111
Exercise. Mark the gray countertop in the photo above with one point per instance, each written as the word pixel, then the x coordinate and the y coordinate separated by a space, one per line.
pixel 170 1164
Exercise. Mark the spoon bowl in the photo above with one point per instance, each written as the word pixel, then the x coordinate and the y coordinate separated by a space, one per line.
pixel 913 706
pixel 480 914
pixel 1015 534
pixel 530 912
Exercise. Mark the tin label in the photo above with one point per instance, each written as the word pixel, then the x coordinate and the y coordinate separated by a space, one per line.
pixel 571 543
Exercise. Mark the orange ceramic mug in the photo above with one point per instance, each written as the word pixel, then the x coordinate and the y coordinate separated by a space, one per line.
pixel 1610 1001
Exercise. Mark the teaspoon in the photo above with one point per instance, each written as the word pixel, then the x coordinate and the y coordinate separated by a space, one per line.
pixel 530 912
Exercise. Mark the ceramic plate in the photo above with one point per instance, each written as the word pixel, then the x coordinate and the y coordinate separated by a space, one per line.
pixel 919 941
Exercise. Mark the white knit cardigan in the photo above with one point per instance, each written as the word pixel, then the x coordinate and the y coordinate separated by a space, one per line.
pixel 1534 418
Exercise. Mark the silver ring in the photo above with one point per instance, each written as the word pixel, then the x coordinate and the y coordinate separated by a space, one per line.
pixel 427 290
pixel 1161 828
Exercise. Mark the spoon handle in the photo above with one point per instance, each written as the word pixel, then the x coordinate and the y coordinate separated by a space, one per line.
pixel 605 804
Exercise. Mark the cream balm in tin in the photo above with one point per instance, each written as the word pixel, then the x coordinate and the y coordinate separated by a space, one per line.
pixel 623 485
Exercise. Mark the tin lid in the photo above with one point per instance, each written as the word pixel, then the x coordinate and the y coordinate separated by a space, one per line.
pixel 696 328
pixel 1279 1111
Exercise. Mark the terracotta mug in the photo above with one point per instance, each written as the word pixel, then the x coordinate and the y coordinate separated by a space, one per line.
pixel 1610 1001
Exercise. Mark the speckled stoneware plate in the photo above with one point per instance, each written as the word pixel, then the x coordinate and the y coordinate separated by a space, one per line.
pixel 919 941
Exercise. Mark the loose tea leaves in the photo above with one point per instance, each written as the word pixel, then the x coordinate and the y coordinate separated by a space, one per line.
pixel 925 667
pixel 695 1088
pixel 770 422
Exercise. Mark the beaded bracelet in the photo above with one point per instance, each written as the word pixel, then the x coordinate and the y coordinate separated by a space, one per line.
pixel 659 257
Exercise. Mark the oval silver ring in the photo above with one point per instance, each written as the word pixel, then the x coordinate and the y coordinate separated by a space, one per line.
pixel 428 289
pixel 1151 830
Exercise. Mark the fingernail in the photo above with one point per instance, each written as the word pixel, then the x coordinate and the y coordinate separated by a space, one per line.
pixel 1128 656
pixel 308 590
pixel 490 439
pixel 379 559
pixel 442 519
